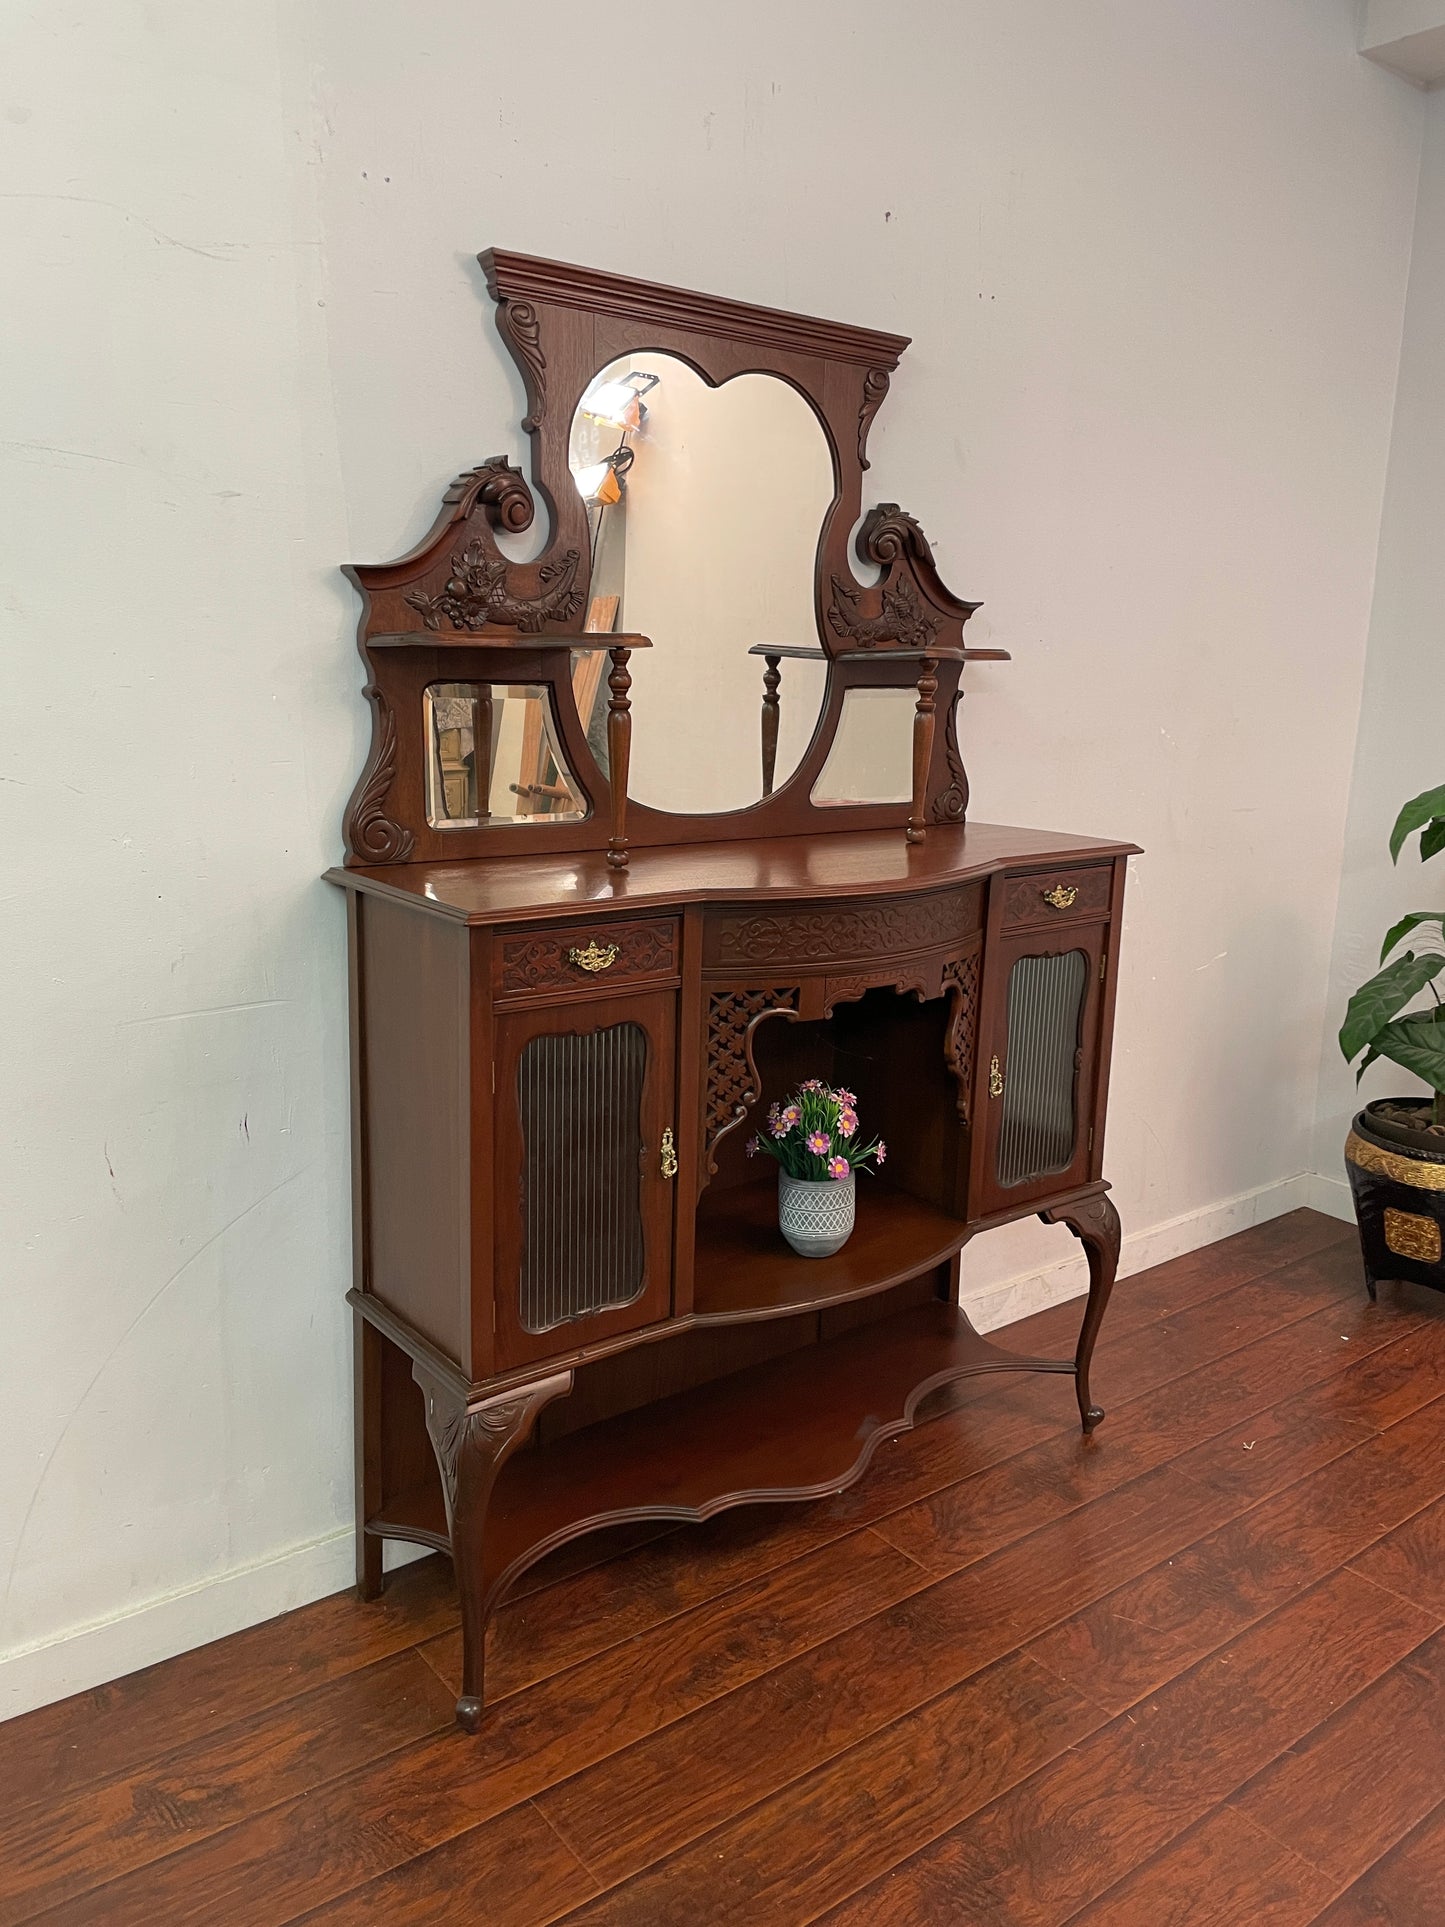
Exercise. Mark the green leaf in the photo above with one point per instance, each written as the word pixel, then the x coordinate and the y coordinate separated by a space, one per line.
pixel 1370 1056
pixel 1417 1044
pixel 1417 813
pixel 1432 840
pixel 1384 997
pixel 1407 924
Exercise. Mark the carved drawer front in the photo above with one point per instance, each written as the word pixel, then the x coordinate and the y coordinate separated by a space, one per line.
pixel 1056 896
pixel 825 934
pixel 584 956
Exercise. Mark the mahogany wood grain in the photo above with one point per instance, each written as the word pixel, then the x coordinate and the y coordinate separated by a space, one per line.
pixel 1411 1559
pixel 1244 1876
pixel 1061 1839
pixel 624 1812
pixel 1345 1795
pixel 309 1851
pixel 744 1270
pixel 1172 1616
pixel 739 1688
pixel 47 1755
pixel 858 863
pixel 54 1853
pixel 766 1432
pixel 1403 1889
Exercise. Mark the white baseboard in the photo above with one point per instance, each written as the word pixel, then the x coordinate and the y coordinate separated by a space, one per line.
pixel 139 1635
pixel 1332 1196
pixel 85 1656
pixel 1069 1278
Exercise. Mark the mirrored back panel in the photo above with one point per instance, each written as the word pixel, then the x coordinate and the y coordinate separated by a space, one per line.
pixel 492 756
pixel 704 505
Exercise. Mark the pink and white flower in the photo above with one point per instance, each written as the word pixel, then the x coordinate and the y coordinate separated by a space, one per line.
pixel 882 1152
pixel 818 1143
pixel 838 1167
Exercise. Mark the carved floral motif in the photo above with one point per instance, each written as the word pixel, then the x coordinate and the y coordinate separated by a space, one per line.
pixel 960 1040
pixel 476 595
pixel 837 931
pixel 903 619
pixel 732 1017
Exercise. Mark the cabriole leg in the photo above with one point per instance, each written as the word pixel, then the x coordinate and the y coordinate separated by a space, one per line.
pixel 1095 1223
pixel 472 1443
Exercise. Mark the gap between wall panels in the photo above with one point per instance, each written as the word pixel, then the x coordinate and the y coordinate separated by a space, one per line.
pixel 89 1655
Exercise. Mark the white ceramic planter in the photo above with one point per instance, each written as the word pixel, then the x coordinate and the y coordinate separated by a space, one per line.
pixel 815 1215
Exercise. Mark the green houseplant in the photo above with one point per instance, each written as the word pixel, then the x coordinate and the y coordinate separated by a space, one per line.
pixel 1395 1153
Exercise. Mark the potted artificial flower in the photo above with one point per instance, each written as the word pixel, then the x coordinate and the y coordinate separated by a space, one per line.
pixel 1395 1153
pixel 814 1138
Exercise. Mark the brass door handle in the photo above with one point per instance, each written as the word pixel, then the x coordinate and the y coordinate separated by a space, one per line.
pixel 1061 896
pixel 597 956
pixel 995 1079
pixel 669 1154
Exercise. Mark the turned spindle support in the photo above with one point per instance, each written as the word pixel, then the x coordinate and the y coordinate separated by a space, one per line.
pixel 922 746
pixel 619 751
pixel 772 678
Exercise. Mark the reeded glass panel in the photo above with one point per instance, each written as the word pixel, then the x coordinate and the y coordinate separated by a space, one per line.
pixel 580 1100
pixel 492 756
pixel 871 759
pixel 1039 1129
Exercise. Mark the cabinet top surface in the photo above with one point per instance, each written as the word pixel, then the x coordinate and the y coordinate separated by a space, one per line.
pixel 859 863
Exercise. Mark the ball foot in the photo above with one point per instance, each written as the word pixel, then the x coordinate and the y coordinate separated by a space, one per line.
pixel 469 1714
pixel 1092 1417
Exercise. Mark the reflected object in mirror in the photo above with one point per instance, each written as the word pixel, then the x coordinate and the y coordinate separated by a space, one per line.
pixel 704 509
pixel 492 756
pixel 871 760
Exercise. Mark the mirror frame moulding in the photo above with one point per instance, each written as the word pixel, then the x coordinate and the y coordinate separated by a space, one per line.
pixel 456 609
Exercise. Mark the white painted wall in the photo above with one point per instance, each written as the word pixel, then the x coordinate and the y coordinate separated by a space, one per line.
pixel 1153 257
pixel 1401 747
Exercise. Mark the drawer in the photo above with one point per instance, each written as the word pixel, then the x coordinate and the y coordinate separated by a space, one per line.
pixel 526 963
pixel 1056 896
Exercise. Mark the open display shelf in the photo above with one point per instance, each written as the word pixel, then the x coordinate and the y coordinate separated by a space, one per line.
pixel 771 1432
pixel 744 1268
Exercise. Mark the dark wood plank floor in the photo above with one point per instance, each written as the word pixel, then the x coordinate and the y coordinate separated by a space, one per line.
pixel 1189 1673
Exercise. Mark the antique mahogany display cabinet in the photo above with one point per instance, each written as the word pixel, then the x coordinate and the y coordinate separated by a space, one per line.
pixel 614 886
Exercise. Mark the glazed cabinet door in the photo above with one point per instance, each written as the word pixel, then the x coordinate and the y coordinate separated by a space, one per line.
pixel 585 1129
pixel 1040 1064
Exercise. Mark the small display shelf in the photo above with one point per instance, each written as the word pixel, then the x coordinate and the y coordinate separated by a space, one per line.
pixel 771 1432
pixel 744 1269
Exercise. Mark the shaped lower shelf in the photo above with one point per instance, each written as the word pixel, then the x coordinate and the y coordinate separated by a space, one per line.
pixel 798 1427
pixel 743 1268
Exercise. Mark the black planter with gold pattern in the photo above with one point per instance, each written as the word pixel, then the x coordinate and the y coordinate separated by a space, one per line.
pixel 1399 1190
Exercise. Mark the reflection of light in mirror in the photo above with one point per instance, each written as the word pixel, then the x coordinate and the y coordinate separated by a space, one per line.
pixel 492 757
pixel 871 758
pixel 705 507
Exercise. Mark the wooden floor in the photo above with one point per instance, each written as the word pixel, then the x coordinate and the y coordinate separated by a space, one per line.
pixel 1191 1671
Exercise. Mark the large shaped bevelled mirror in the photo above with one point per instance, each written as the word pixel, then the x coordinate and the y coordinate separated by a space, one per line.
pixel 704 508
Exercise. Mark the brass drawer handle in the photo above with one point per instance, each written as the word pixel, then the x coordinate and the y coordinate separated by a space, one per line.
pixel 995 1080
pixel 669 1154
pixel 1060 896
pixel 597 956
